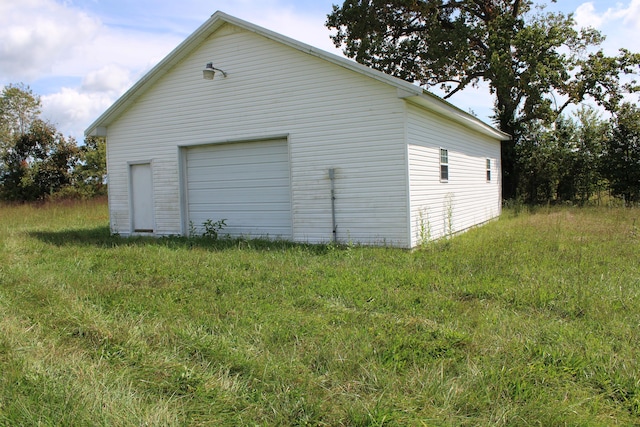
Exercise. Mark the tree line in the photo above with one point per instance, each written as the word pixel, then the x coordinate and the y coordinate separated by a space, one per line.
pixel 580 158
pixel 536 63
pixel 36 161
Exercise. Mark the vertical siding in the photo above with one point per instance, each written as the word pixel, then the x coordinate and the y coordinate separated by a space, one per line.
pixel 335 118
pixel 466 199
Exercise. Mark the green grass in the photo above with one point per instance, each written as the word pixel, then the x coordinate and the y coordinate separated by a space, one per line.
pixel 533 319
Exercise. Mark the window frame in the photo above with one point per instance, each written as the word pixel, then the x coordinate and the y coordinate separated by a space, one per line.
pixel 444 164
pixel 488 169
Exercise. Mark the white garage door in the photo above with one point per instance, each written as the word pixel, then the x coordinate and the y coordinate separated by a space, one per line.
pixel 245 183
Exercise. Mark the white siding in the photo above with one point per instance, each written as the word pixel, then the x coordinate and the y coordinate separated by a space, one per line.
pixel 467 198
pixel 335 118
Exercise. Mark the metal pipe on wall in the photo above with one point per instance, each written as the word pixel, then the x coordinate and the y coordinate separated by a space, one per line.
pixel 332 176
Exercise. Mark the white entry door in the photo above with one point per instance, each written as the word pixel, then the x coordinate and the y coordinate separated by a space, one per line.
pixel 142 198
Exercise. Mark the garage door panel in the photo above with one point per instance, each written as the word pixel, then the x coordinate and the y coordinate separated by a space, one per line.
pixel 263 162
pixel 236 155
pixel 239 153
pixel 237 195
pixel 228 173
pixel 234 216
pixel 247 184
pixel 232 213
pixel 243 219
pixel 237 149
pixel 281 185
pixel 215 193
pixel 203 183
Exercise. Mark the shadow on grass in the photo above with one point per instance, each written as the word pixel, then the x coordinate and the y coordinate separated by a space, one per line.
pixel 101 237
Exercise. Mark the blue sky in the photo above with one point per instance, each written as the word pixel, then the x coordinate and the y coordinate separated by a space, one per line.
pixel 81 55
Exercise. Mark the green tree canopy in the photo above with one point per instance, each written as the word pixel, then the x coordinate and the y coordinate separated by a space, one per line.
pixel 621 158
pixel 19 107
pixel 561 161
pixel 36 160
pixel 91 171
pixel 535 62
pixel 38 164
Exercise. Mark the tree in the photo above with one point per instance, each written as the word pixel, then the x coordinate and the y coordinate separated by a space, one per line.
pixel 621 158
pixel 586 173
pixel 561 161
pixel 540 162
pixel 529 58
pixel 91 171
pixel 36 160
pixel 38 164
pixel 19 107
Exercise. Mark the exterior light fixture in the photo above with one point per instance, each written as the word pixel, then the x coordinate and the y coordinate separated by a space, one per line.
pixel 209 71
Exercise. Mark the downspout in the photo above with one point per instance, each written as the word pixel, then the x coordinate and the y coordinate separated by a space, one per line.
pixel 332 175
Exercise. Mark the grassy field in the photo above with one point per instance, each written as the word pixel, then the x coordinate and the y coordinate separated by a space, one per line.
pixel 533 319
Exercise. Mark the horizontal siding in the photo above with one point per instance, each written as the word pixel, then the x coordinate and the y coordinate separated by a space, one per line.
pixel 334 118
pixel 466 199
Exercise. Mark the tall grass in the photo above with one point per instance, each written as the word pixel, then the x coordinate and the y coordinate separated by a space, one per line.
pixel 530 320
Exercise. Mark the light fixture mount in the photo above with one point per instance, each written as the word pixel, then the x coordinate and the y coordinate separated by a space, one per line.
pixel 209 71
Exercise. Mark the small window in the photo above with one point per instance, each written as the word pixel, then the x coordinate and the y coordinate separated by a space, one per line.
pixel 488 170
pixel 444 165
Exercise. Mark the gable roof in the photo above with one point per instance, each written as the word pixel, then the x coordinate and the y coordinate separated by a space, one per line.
pixel 406 90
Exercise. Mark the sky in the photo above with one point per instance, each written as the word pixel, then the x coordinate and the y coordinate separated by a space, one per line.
pixel 81 55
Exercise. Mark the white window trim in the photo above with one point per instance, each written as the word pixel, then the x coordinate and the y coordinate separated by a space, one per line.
pixel 488 169
pixel 443 164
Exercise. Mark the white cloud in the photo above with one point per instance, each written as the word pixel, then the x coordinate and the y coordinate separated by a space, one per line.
pixel 632 16
pixel 71 110
pixel 586 16
pixel 37 34
pixel 128 49
pixel 111 79
pixel 619 24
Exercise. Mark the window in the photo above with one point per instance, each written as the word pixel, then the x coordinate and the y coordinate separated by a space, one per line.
pixel 444 164
pixel 488 170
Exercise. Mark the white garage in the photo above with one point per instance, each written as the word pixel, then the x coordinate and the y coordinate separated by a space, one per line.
pixel 247 184
pixel 285 141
